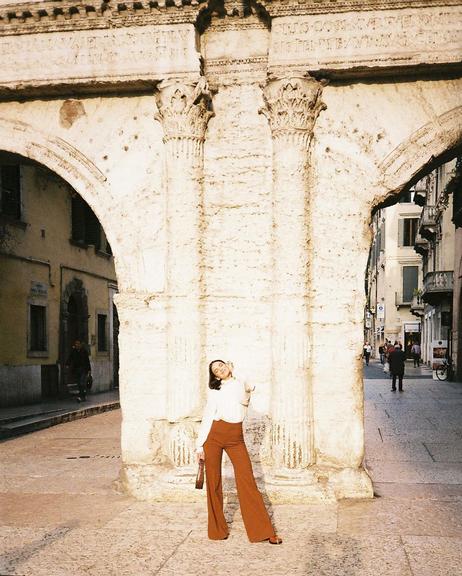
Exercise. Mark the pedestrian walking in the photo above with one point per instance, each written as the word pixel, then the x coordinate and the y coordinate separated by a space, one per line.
pixel 221 429
pixel 367 352
pixel 382 354
pixel 396 359
pixel 79 365
pixel 415 351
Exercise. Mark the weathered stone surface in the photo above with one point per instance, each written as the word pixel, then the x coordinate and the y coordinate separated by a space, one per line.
pixel 381 38
pixel 98 56
pixel 273 246
pixel 430 555
pixel 95 552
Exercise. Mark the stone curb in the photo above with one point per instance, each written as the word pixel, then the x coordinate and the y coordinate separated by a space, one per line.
pixel 39 422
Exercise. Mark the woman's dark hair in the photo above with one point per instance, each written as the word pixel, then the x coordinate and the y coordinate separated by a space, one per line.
pixel 214 382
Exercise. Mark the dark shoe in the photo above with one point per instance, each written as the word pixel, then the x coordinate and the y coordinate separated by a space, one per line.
pixel 400 389
pixel 393 389
pixel 275 540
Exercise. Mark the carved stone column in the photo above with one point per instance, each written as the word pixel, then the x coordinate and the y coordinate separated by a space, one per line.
pixel 291 106
pixel 184 111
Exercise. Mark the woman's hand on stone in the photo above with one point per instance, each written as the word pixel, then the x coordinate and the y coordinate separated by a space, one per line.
pixel 200 455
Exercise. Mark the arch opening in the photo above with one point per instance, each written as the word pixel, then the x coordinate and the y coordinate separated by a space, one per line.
pixel 58 283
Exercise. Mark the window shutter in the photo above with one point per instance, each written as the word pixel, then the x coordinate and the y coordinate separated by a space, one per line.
pixel 382 237
pixel 78 219
pixel 401 232
pixel 11 191
pixel 92 228
pixel 410 282
pixel 415 222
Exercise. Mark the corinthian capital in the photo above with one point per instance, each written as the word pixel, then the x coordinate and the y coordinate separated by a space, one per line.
pixel 184 109
pixel 292 106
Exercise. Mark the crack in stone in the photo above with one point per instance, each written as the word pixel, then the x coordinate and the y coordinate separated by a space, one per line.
pixel 408 561
pixel 173 553
pixel 429 453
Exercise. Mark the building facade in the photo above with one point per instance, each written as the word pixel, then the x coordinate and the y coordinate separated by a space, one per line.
pixel 437 243
pixel 57 285
pixel 392 276
pixel 234 152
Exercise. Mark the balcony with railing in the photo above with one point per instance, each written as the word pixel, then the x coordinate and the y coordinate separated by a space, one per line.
pixel 421 245
pixel 438 286
pixel 417 304
pixel 428 223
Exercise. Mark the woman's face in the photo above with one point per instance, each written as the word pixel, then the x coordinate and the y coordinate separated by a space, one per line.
pixel 221 370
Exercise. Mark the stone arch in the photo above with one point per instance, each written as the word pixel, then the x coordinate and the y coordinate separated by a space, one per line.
pixel 437 141
pixel 60 157
pixel 80 173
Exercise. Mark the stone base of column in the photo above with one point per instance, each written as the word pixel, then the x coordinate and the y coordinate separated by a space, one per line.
pixel 346 482
pixel 156 483
pixel 316 484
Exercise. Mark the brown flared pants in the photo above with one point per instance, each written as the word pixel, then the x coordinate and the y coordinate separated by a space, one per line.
pixel 229 436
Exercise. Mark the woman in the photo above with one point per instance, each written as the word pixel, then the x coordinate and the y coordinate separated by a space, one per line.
pixel 221 429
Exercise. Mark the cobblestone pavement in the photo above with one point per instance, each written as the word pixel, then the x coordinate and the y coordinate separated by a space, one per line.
pixel 61 516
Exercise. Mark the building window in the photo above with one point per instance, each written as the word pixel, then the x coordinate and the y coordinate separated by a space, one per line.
pixel 86 228
pixel 38 328
pixel 407 231
pixel 10 191
pixel 405 198
pixel 102 333
pixel 410 282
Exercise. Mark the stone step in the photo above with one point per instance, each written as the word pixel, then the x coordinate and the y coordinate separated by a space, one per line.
pixel 41 421
pixel 16 418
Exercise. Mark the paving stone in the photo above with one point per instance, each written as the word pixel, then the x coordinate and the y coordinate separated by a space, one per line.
pixel 44 510
pixel 313 518
pixel 416 472
pixel 442 492
pixel 46 484
pixel 95 553
pixel 157 516
pixel 299 555
pixel 396 451
pixel 390 516
pixel 434 556
pixel 19 544
pixel 61 515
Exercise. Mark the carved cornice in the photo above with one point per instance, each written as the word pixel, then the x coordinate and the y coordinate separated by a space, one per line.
pixel 184 109
pixel 60 15
pixel 292 106
pixel 296 7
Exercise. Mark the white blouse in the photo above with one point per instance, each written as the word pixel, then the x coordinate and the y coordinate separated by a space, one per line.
pixel 228 404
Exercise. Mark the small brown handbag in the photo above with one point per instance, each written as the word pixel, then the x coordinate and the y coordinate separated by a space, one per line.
pixel 200 475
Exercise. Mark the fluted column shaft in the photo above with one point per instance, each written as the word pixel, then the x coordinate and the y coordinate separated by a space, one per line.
pixel 184 113
pixel 292 106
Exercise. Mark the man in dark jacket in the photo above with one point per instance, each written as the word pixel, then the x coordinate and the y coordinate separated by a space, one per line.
pixel 396 359
pixel 79 364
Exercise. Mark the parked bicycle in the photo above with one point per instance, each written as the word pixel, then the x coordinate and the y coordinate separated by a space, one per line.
pixel 444 371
